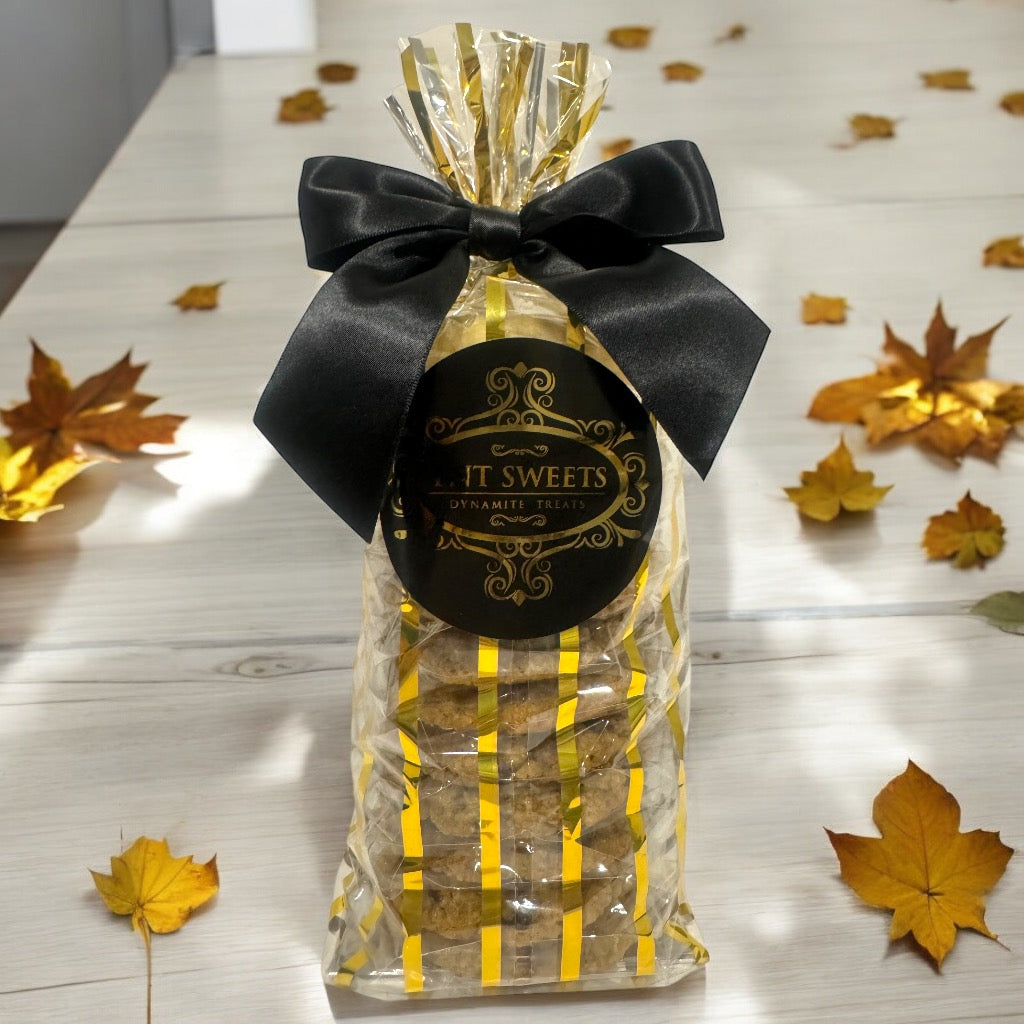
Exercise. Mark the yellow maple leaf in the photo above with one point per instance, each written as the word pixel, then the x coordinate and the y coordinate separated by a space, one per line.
pixel 930 874
pixel 681 71
pixel 835 486
pixel 823 309
pixel 1013 103
pixel 1004 252
pixel 158 891
pixel 25 492
pixel 940 397
pixel 305 105
pixel 630 37
pixel 951 78
pixel 199 296
pixel 970 535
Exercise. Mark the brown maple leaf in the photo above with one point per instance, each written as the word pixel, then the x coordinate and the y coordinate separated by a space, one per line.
pixel 630 37
pixel 335 71
pixel 732 34
pixel 104 409
pixel 940 398
pixel 615 148
pixel 1013 103
pixel 930 874
pixel 1004 252
pixel 681 71
pixel 305 105
pixel 970 535
pixel 951 78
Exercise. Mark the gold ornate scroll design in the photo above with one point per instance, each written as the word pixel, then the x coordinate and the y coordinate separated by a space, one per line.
pixel 520 398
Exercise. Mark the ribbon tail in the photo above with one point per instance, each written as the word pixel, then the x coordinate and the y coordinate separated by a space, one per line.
pixel 336 403
pixel 687 344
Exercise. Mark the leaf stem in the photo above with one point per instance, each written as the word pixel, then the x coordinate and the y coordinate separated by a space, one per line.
pixel 147 939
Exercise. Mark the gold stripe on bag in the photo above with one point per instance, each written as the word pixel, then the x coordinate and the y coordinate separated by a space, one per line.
pixel 412 833
pixel 444 165
pixel 490 813
pixel 348 969
pixel 471 86
pixel 496 308
pixel 673 928
pixel 637 706
pixel 572 809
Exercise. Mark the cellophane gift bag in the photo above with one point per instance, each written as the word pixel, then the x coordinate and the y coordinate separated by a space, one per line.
pixel 522 677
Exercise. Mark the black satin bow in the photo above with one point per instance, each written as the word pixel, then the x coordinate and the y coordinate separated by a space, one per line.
pixel 399 246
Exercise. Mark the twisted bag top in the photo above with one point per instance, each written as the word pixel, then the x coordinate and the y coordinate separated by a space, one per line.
pixel 399 245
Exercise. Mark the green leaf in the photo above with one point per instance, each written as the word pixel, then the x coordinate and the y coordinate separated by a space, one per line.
pixel 1004 610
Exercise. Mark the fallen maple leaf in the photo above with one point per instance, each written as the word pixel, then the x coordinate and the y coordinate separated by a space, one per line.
pixel 157 890
pixel 1004 252
pixel 940 398
pixel 836 485
pixel 25 493
pixel 868 126
pixel 952 78
pixel 970 535
pixel 335 71
pixel 615 148
pixel 1004 610
pixel 1010 405
pixel 823 309
pixel 681 71
pixel 199 296
pixel 933 876
pixel 104 409
pixel 1013 103
pixel 872 126
pixel 630 37
pixel 305 105
pixel 732 34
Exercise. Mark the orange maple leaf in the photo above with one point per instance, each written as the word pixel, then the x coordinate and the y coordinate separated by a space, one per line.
pixel 929 873
pixel 104 409
pixel 940 398
pixel 970 535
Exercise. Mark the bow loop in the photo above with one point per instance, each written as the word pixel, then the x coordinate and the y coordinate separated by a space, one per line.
pixel 398 245
pixel 494 233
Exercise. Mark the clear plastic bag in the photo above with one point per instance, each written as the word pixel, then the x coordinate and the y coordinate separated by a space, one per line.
pixel 519 803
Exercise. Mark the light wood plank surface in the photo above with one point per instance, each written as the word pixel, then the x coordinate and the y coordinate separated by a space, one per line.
pixel 176 646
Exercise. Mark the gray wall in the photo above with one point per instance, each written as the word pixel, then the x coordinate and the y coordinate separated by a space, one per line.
pixel 74 75
pixel 192 27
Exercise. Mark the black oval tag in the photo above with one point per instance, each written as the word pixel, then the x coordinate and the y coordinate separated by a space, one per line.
pixel 525 491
